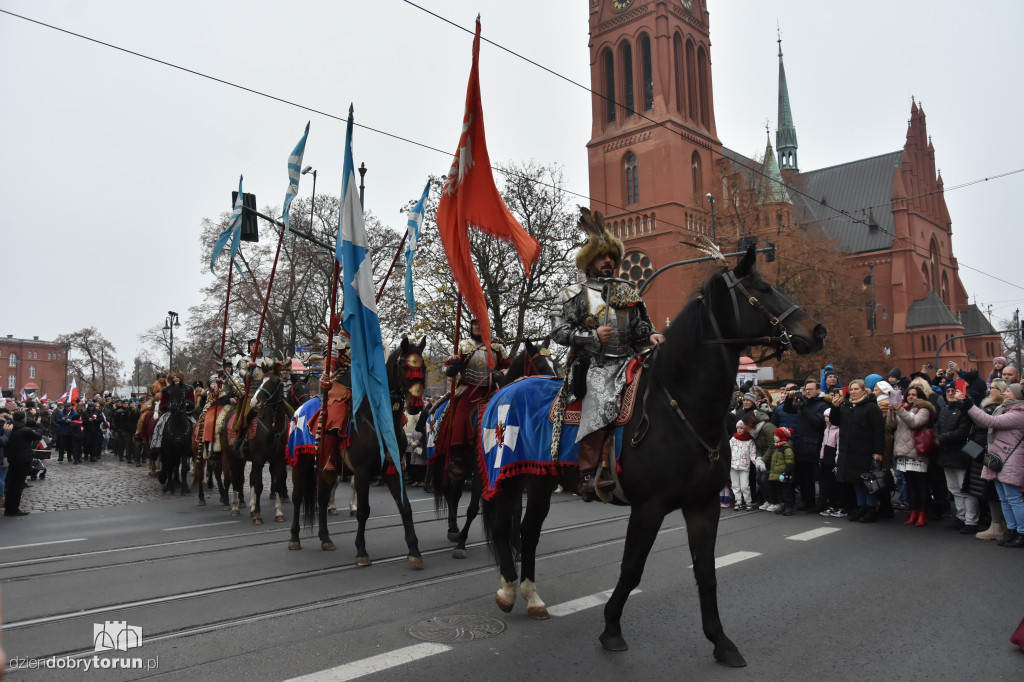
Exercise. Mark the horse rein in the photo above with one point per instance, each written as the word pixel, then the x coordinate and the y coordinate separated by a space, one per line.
pixel 779 343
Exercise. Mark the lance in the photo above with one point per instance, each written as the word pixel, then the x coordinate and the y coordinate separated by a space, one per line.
pixel 328 367
pixel 458 331
pixel 394 260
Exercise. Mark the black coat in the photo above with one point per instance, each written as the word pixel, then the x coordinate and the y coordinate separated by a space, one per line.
pixel 810 426
pixel 861 435
pixel 22 441
pixel 952 427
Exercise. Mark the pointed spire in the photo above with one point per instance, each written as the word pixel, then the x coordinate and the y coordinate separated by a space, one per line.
pixel 785 136
pixel 774 189
pixel 899 190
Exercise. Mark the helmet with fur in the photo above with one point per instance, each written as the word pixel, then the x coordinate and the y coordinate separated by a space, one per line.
pixel 600 241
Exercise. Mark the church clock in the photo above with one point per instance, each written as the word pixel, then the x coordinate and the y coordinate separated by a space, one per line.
pixel 620 5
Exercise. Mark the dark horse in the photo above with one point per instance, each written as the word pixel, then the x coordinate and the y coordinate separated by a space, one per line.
pixel 363 458
pixel 268 445
pixel 176 447
pixel 450 472
pixel 674 448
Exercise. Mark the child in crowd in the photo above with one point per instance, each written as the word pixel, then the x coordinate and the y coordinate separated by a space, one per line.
pixel 780 464
pixel 744 452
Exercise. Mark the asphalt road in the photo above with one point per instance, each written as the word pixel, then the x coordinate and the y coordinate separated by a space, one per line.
pixel 804 598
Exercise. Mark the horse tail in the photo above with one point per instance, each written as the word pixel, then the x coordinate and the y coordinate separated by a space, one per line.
pixel 308 481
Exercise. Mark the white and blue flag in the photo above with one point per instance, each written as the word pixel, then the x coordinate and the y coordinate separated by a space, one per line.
pixel 412 241
pixel 233 231
pixel 294 171
pixel 369 373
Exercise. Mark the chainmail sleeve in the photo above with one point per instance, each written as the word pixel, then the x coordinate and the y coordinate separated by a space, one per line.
pixel 567 323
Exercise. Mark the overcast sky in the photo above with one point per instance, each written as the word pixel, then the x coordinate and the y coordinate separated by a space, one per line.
pixel 109 162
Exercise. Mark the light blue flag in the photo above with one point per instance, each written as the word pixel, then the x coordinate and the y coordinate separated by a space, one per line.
pixel 294 171
pixel 369 373
pixel 233 231
pixel 412 241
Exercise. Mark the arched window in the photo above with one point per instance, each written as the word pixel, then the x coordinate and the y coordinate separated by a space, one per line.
pixel 923 349
pixel 691 79
pixel 648 71
pixel 933 263
pixel 632 180
pixel 626 59
pixel 924 276
pixel 678 70
pixel 654 222
pixel 702 76
pixel 698 179
pixel 629 232
pixel 12 361
pixel 944 290
pixel 31 371
pixel 934 344
pixel 609 82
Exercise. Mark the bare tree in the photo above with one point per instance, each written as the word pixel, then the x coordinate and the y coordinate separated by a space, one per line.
pixel 92 360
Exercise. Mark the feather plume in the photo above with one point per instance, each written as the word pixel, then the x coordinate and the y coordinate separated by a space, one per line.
pixel 705 246
pixel 591 223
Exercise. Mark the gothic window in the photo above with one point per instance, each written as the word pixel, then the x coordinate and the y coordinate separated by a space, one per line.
pixel 923 349
pixel 678 71
pixel 626 58
pixel 654 222
pixel 31 371
pixel 648 71
pixel 944 291
pixel 691 79
pixel 636 267
pixel 934 344
pixel 702 75
pixel 632 180
pixel 924 275
pixel 609 83
pixel 12 361
pixel 698 179
pixel 933 263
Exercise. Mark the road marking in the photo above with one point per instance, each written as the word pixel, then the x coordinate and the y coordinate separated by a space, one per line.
pixel 811 534
pixel 583 603
pixel 40 544
pixel 374 664
pixel 200 525
pixel 734 558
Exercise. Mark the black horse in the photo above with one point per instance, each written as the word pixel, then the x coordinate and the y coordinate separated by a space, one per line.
pixel 450 473
pixel 675 447
pixel 405 382
pixel 176 448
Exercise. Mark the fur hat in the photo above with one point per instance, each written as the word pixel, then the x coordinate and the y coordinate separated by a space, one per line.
pixel 600 241
pixel 1014 389
pixel 782 434
pixel 174 373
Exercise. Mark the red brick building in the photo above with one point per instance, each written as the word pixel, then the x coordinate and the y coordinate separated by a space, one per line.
pixel 654 154
pixel 32 366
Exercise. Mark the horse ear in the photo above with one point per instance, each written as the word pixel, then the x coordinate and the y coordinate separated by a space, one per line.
pixel 421 345
pixel 747 263
pixel 547 342
pixel 405 345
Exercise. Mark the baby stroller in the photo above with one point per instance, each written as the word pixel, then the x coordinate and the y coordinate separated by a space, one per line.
pixel 38 470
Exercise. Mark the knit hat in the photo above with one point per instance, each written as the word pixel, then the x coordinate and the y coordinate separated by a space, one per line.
pixel 1016 391
pixel 1001 360
pixel 895 372
pixel 828 411
pixel 884 386
pixel 600 242
pixel 740 426
pixel 750 396
pixel 872 379
pixel 782 434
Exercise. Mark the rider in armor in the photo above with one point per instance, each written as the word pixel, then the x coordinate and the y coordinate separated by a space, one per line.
pixel 175 395
pixel 475 383
pixel 604 323
pixel 336 394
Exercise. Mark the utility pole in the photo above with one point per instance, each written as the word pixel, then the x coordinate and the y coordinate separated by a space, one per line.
pixel 1016 334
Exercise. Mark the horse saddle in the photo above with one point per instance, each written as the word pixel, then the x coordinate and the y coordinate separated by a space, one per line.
pixel 250 432
pixel 574 410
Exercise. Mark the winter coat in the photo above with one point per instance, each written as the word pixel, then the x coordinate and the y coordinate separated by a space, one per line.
pixel 952 429
pixel 788 418
pixel 4 436
pixel 906 421
pixel 780 461
pixel 20 443
pixel 861 435
pixel 743 452
pixel 764 438
pixel 830 439
pixel 883 407
pixel 1005 431
pixel 64 420
pixel 92 420
pixel 810 428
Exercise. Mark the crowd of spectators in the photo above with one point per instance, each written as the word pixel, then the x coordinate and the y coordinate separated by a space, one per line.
pixel 874 446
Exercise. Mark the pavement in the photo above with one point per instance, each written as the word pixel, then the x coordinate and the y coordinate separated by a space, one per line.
pixel 90 485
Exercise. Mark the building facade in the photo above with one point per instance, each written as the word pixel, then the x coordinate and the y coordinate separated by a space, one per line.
pixel 32 366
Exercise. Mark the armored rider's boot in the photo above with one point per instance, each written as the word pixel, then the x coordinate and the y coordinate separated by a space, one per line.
pixel 591 450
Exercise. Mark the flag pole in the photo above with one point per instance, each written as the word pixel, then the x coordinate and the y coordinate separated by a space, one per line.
pixel 394 260
pixel 331 325
pixel 458 331
pixel 223 343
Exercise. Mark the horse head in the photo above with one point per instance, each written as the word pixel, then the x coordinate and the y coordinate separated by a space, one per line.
pixel 746 310
pixel 406 374
pixel 533 360
pixel 272 387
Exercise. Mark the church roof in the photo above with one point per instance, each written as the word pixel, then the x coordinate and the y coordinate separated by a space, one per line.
pixel 861 189
pixel 930 311
pixel 975 321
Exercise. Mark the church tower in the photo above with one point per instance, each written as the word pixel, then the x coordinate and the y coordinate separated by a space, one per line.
pixel 785 136
pixel 653 143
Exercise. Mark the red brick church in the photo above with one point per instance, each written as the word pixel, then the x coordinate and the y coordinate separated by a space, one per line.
pixel 654 155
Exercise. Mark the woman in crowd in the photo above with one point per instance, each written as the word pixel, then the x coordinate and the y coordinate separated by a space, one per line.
pixel 952 428
pixel 861 440
pixel 997 529
pixel 917 412
pixel 1005 437
pixel 834 495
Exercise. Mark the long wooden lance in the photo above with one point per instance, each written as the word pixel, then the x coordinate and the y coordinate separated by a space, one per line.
pixel 393 261
pixel 458 331
pixel 328 367
pixel 223 342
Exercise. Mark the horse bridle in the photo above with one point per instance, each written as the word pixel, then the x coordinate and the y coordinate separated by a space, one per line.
pixel 778 344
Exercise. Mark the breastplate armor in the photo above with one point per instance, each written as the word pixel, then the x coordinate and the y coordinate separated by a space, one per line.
pixel 618 345
pixel 476 373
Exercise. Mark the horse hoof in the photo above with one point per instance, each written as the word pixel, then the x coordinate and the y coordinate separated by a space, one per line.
pixel 363 561
pixel 537 612
pixel 327 546
pixel 730 658
pixel 458 554
pixel 416 562
pixel 453 536
pixel 504 605
pixel 294 544
pixel 234 512
pixel 185 490
pixel 613 642
pixel 332 512
pixel 257 521
pixel 279 518
pixel 202 503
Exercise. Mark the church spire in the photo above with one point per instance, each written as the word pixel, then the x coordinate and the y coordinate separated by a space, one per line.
pixel 774 187
pixel 785 136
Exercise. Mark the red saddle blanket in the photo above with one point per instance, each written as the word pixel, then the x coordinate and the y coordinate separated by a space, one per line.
pixel 574 410
pixel 250 433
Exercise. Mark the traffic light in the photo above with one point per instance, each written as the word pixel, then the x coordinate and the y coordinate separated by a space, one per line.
pixel 769 255
pixel 250 230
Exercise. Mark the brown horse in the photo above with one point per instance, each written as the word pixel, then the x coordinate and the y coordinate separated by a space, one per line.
pixel 363 458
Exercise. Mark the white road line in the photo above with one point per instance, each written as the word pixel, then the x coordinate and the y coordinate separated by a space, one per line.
pixel 40 544
pixel 734 558
pixel 200 525
pixel 374 664
pixel 812 534
pixel 583 603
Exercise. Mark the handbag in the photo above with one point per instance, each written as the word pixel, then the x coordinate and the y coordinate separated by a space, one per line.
pixel 994 462
pixel 924 440
pixel 875 480
pixel 972 449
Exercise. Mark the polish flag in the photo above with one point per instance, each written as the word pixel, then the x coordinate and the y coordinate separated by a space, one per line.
pixel 72 394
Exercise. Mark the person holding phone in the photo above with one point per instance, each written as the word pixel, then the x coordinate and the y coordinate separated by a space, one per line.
pixel 861 441
pixel 952 429
pixel 915 412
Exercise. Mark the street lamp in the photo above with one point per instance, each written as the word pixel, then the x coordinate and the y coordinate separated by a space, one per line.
pixel 312 202
pixel 714 237
pixel 169 324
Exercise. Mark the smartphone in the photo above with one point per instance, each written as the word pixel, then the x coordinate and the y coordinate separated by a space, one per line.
pixel 961 385
pixel 895 397
pixel 949 365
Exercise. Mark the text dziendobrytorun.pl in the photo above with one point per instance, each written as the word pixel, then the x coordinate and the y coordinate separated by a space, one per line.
pixel 85 663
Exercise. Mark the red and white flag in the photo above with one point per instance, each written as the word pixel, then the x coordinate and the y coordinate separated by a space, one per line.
pixel 471 199
pixel 72 394
pixel 43 399
pixel 23 398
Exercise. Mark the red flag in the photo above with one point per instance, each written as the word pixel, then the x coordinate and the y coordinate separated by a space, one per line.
pixel 471 199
